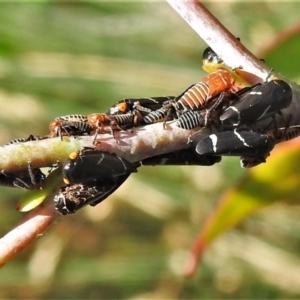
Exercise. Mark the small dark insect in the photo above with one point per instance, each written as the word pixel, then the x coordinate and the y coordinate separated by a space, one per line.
pixel 211 57
pixel 139 107
pixel 185 157
pixel 257 103
pixel 23 140
pixel 211 60
pixel 27 179
pixel 73 197
pixel 284 134
pixel 249 145
pixel 127 113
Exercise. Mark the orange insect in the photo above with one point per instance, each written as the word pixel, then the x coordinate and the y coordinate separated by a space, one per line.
pixel 206 94
pixel 199 95
pixel 105 123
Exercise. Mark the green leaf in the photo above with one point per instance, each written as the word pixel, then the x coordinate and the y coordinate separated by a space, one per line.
pixel 31 199
pixel 281 54
pixel 277 180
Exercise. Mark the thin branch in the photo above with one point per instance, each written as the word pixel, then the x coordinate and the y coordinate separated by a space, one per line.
pixel 31 227
pixel 208 27
pixel 133 145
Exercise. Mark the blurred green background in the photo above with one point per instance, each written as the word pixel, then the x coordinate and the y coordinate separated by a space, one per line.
pixel 60 58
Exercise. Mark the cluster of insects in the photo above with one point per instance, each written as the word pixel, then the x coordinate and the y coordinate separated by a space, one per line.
pixel 218 100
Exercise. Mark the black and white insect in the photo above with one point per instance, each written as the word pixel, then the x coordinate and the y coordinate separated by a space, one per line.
pixel 70 125
pixel 143 106
pixel 73 197
pixel 163 114
pixel 23 140
pixel 257 103
pixel 202 118
pixel 191 119
pixel 184 157
pixel 247 144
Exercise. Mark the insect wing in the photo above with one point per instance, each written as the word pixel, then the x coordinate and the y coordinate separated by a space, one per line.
pixel 110 185
pixel 258 103
pixel 186 157
pixel 95 165
pixel 72 198
pixel 236 143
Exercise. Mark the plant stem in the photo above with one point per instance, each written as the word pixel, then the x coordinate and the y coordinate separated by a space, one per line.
pixel 223 42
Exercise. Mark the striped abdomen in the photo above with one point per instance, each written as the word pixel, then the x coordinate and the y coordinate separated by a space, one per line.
pixel 285 134
pixel 190 120
pixel 115 122
pixel 197 96
pixel 159 115
pixel 72 118
pixel 60 128
pixel 124 121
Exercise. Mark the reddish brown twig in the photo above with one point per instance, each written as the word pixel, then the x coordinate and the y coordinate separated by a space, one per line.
pixel 209 28
pixel 31 227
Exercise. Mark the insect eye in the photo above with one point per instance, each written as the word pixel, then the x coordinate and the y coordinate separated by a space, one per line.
pixel 123 107
pixel 54 124
pixel 73 155
pixel 92 118
pixel 66 181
